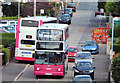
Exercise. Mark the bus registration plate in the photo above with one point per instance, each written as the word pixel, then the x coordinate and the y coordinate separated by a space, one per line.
pixel 28 45
pixel 48 73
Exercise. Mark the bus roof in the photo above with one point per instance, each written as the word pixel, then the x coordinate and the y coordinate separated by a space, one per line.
pixel 53 26
pixel 44 18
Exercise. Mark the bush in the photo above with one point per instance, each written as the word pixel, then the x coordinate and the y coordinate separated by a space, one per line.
pixel 118 40
pixel 7 38
pixel 9 18
pixel 6 55
pixel 116 48
pixel 116 69
pixel 1 46
pixel 116 32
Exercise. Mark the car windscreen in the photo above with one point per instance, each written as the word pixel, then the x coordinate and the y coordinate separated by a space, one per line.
pixel 70 4
pixel 82 80
pixel 68 10
pixel 72 50
pixel 83 56
pixel 49 46
pixel 84 65
pixel 89 43
pixel 65 16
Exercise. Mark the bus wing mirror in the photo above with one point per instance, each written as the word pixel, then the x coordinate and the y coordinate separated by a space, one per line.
pixel 74 67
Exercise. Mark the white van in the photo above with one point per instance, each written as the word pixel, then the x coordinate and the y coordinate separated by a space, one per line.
pixel 8 23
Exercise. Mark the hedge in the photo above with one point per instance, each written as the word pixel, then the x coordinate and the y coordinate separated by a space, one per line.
pixel 7 38
pixel 6 54
pixel 116 69
pixel 9 18
pixel 116 48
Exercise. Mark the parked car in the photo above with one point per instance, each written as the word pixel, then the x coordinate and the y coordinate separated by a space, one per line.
pixel 71 53
pixel 84 68
pixel 72 6
pixel 68 11
pixel 11 29
pixel 83 56
pixel 82 79
pixel 90 46
pixel 4 31
pixel 8 23
pixel 99 13
pixel 65 18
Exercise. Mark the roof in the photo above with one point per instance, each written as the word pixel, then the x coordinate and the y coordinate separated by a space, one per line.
pixel 88 76
pixel 44 18
pixel 83 61
pixel 83 52
pixel 72 47
pixel 54 26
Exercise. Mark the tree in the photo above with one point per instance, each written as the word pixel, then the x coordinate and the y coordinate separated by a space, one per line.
pixel 116 69
pixel 113 8
pixel 116 31
pixel 101 5
pixel 10 10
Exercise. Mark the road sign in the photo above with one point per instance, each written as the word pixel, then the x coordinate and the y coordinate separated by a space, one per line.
pixel 42 11
pixel 57 1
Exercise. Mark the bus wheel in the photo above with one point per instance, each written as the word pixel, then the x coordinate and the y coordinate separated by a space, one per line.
pixel 37 76
pixel 17 61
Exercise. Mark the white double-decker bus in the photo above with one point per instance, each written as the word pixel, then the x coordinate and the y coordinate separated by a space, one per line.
pixel 51 50
pixel 26 36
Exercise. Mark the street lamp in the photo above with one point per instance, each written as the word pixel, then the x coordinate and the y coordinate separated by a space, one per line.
pixel 19 8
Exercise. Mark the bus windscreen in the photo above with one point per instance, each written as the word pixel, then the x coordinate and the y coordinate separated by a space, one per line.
pixel 49 35
pixel 49 46
pixel 49 58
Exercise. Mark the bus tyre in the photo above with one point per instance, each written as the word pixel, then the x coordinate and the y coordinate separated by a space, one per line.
pixel 37 76
pixel 17 61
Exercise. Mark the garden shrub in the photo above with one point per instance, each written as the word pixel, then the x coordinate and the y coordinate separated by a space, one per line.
pixel 116 69
pixel 116 48
pixel 6 54
pixel 7 38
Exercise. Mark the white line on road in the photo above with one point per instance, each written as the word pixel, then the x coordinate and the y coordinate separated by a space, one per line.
pixel 17 77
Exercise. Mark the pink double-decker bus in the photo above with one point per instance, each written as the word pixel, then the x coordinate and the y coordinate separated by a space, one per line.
pixel 51 50
pixel 26 36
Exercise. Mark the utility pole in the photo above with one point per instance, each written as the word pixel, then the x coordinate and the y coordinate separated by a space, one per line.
pixel 34 8
pixel 64 5
pixel 55 8
pixel 19 8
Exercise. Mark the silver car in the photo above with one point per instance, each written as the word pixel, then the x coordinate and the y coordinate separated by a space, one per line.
pixel 83 56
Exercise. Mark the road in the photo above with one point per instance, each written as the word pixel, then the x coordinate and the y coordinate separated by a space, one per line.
pixel 83 22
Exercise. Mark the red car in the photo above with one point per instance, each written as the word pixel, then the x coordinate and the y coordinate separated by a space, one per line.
pixel 71 53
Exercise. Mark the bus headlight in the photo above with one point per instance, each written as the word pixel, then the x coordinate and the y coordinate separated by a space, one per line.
pixel 38 68
pixel 59 69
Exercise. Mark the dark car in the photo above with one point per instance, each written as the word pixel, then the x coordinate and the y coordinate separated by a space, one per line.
pixel 72 6
pixel 68 11
pixel 65 18
pixel 90 46
pixel 84 68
